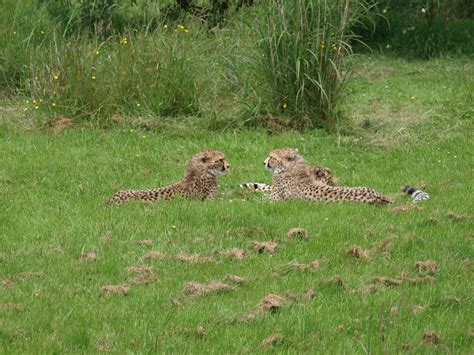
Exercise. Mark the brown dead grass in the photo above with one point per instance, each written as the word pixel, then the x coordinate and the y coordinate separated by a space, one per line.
pixel 29 275
pixel 140 269
pixel 312 267
pixel 142 279
pixel 201 331
pixel 12 306
pixel 89 256
pixel 357 252
pixel 309 294
pixel 457 217
pixel 195 288
pixel 105 236
pixel 7 282
pixel 114 289
pixel 430 337
pixel 272 302
pixel 235 253
pixel 146 242
pixel 268 246
pixel 273 339
pixel 156 255
pixel 418 308
pixel 427 266
pixel 385 245
pixel 57 124
pixel 297 233
pixel 406 208
pixel 195 258
pixel 236 279
pixel 55 250
pixel 402 279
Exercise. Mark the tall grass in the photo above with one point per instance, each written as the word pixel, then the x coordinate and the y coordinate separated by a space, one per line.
pixel 303 46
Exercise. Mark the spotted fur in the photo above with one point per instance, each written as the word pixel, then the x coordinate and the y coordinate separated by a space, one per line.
pixel 199 181
pixel 319 173
pixel 293 179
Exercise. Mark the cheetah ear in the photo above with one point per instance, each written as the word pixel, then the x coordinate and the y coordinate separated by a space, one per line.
pixel 292 154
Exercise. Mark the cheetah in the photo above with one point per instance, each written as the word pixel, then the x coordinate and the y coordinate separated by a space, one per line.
pixel 292 179
pixel 319 173
pixel 199 181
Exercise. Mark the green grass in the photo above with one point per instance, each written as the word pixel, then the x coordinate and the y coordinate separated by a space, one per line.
pixel 52 193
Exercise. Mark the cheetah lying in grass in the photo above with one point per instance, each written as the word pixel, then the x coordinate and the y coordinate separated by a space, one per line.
pixel 199 181
pixel 294 179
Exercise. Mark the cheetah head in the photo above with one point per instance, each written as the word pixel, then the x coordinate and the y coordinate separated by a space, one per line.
pixel 208 162
pixel 280 159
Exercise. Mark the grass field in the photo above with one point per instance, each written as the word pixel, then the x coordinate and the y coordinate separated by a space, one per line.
pixel 60 243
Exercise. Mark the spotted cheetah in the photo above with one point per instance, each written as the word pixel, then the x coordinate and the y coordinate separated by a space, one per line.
pixel 292 179
pixel 319 173
pixel 199 181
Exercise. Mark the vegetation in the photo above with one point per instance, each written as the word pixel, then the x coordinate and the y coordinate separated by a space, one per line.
pixel 101 95
pixel 62 244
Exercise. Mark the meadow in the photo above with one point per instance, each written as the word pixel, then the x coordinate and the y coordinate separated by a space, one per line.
pixel 365 280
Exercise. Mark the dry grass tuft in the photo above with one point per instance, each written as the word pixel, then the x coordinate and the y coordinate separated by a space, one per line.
pixel 272 302
pixel 382 246
pixel 154 255
pixel 312 266
pixel 357 252
pixel 309 294
pixel 297 233
pixel 146 242
pixel 406 208
pixel 7 282
pixel 417 309
pixel 401 279
pixel 201 332
pixel 58 124
pixel 269 246
pixel 236 279
pixel 195 258
pixel 457 217
pixel 430 337
pixel 389 281
pixel 106 236
pixel 272 340
pixel 142 279
pixel 89 256
pixel 140 269
pixel 236 253
pixel 29 275
pixel 196 288
pixel 13 306
pixel 55 250
pixel 114 289
pixel 427 266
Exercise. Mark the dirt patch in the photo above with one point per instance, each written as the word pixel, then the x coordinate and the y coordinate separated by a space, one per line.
pixel 297 233
pixel 156 255
pixel 55 250
pixel 195 288
pixel 89 256
pixel 402 279
pixel 13 306
pixel 195 258
pixel 273 339
pixel 427 266
pixel 114 289
pixel 236 279
pixel 235 253
pixel 406 208
pixel 146 242
pixel 268 246
pixel 431 337
pixel 357 252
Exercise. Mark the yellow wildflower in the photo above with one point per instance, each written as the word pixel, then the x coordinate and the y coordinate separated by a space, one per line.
pixel 285 105
pixel 14 33
pixel 53 104
pixel 124 40
pixel 42 32
pixel 93 77
pixel 33 101
pixel 25 109
pixel 138 104
pixel 55 77
pixel 97 52
pixel 173 226
pixel 413 97
pixel 165 26
pixel 186 30
pixel 181 27
pixel 36 107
